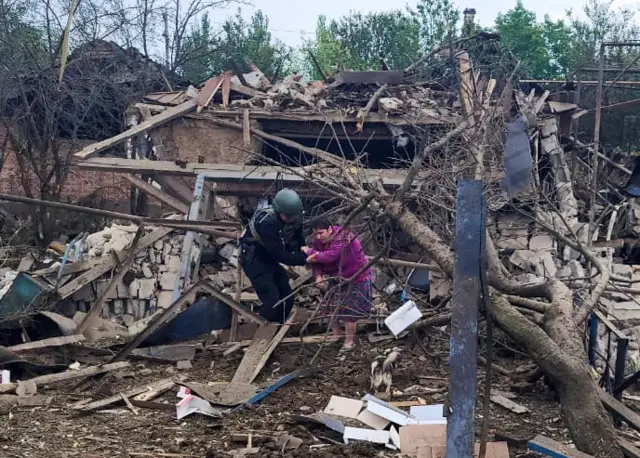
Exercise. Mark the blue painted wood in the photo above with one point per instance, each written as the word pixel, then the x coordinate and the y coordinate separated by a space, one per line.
pixel 26 295
pixel 548 447
pixel 470 227
pixel 282 381
pixel 539 448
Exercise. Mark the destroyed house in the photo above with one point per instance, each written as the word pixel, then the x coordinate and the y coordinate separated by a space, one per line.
pixel 348 118
pixel 57 117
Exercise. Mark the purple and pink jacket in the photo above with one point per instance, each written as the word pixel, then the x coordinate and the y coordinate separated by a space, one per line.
pixel 343 257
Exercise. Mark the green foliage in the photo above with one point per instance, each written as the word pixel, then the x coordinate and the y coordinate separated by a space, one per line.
pixel 436 19
pixel 21 44
pixel 544 49
pixel 362 41
pixel 328 50
pixel 603 24
pixel 207 52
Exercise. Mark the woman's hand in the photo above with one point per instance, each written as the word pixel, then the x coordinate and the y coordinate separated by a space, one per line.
pixel 312 258
pixel 306 249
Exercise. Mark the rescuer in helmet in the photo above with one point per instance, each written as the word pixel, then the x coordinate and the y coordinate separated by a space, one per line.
pixel 274 236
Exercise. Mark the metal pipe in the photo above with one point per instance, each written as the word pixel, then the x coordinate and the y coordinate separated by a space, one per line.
pixel 596 147
pixel 621 359
pixel 204 226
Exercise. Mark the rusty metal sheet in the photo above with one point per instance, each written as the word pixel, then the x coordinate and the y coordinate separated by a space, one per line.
pixel 381 77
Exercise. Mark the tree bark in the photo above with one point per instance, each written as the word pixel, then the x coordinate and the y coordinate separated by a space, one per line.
pixel 558 351
pixel 562 360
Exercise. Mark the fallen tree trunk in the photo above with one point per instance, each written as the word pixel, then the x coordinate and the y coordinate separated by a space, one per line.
pixel 582 410
pixel 558 351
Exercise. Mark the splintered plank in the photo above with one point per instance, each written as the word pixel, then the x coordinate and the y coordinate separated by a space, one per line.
pixel 162 196
pixel 154 121
pixel 235 306
pixel 125 395
pixel 112 399
pixel 260 343
pixel 67 375
pixel 155 389
pixel 45 343
pixel 267 353
pixel 508 404
pixel 619 409
pixel 207 92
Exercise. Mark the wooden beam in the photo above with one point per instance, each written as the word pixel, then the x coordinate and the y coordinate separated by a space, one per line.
pixel 204 286
pixel 117 397
pixel 629 450
pixel 69 268
pixel 223 173
pixel 175 187
pixel 259 344
pixel 96 307
pixel 163 197
pixel 270 349
pixel 619 409
pixel 373 77
pixel 187 225
pixel 153 122
pixel 46 343
pixel 67 375
pixel 245 90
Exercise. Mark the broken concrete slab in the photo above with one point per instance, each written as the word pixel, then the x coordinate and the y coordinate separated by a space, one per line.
pixel 516 239
pixel 542 242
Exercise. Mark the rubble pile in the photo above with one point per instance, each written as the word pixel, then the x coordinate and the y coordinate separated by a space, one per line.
pixel 294 93
pixel 148 286
pixel 156 272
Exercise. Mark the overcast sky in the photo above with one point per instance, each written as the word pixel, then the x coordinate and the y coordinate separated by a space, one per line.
pixel 289 20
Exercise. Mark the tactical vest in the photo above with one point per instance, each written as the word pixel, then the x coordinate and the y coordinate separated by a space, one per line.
pixel 286 233
pixel 262 214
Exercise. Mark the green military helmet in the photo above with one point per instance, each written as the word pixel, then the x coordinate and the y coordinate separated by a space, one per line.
pixel 288 202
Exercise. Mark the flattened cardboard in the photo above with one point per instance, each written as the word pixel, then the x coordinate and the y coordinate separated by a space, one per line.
pixel 494 450
pixel 344 407
pixel 414 437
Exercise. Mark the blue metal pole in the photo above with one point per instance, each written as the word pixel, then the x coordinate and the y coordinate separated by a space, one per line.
pixel 593 339
pixel 467 290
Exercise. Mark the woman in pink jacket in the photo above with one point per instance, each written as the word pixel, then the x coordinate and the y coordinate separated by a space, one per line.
pixel 337 254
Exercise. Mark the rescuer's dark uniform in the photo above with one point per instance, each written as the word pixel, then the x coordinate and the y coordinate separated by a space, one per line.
pixel 269 241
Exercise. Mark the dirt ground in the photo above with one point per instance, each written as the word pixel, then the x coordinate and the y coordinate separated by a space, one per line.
pixel 58 431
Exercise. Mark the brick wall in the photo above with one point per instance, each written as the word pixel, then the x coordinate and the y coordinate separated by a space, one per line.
pixel 78 185
pixel 184 139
